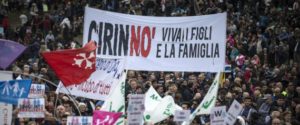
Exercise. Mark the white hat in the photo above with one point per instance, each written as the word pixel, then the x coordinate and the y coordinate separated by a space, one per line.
pixel 81 104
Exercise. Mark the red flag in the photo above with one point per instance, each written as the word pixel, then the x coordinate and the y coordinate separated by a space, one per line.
pixel 105 118
pixel 73 66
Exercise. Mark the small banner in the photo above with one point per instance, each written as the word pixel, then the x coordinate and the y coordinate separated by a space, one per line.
pixel 37 91
pixel 80 120
pixel 31 108
pixel 234 110
pixel 182 115
pixel 136 109
pixel 217 115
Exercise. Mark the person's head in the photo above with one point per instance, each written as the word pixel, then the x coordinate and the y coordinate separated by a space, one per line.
pixel 297 109
pixel 298 89
pixel 279 85
pixel 276 121
pixel 246 94
pixel 201 77
pixel 268 98
pixel 228 96
pixel 31 123
pixel 185 106
pixel 287 116
pixel 133 84
pixel 82 107
pixel 173 88
pixel 280 100
pixel 275 114
pixel 248 101
pixel 257 93
pixel 197 96
pixel 60 110
pixel 35 66
pixel 68 106
pixel 99 104
pixel 160 89
pixel 131 74
pixel 26 68
pixel 291 87
pixel 277 91
pixel 64 118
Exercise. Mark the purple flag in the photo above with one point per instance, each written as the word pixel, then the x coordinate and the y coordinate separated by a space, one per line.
pixel 9 51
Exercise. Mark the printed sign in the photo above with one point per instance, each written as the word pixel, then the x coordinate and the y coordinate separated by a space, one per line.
pixel 5 113
pixel 217 115
pixel 151 43
pixel 234 110
pixel 136 102
pixel 101 83
pixel 31 108
pixel 136 108
pixel 80 120
pixel 37 91
pixel 11 91
pixel 182 115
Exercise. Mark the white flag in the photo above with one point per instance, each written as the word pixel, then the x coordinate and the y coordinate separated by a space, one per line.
pixel 116 101
pixel 162 111
pixel 209 100
pixel 152 99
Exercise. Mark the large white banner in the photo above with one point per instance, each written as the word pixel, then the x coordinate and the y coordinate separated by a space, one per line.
pixel 101 83
pixel 5 113
pixel 194 43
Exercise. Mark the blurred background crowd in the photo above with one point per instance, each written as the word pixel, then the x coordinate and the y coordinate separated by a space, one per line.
pixel 263 49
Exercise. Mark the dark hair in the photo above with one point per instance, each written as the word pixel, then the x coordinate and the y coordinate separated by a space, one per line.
pixel 248 98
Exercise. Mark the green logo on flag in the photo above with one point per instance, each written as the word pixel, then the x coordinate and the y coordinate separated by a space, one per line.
pixel 208 103
pixel 154 97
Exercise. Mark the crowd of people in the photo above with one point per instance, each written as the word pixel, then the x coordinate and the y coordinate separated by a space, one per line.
pixel 262 47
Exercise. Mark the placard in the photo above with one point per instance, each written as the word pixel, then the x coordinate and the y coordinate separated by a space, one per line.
pixel 80 120
pixel 31 108
pixel 37 91
pixel 217 115
pixel 5 113
pixel 182 115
